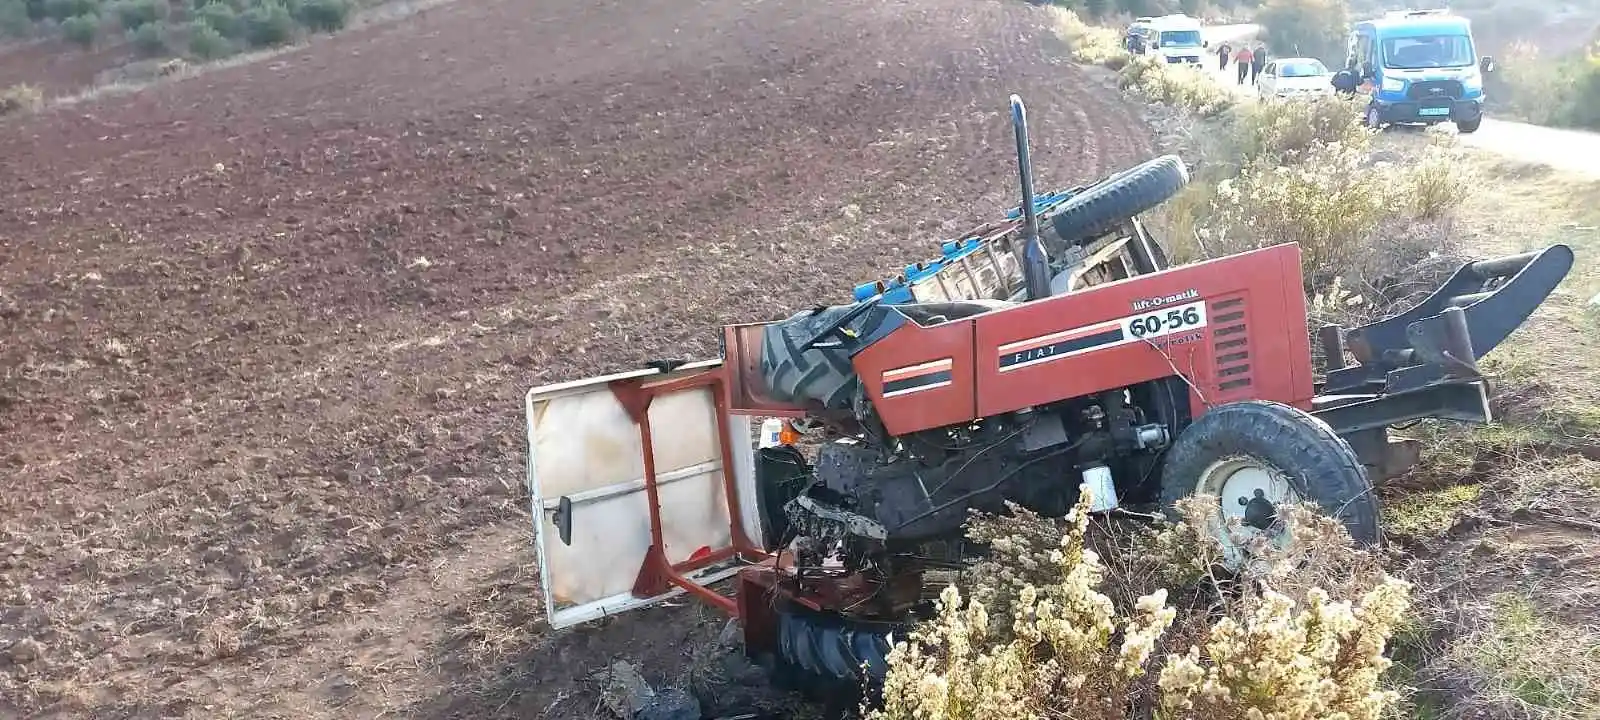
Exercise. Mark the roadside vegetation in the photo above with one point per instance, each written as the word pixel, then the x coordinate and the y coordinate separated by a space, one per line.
pixel 195 29
pixel 1545 88
pixel 1484 602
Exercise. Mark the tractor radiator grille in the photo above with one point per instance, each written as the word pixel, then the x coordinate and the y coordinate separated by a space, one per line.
pixel 1230 340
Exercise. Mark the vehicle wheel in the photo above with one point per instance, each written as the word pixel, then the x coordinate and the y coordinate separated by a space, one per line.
pixel 1469 126
pixel 1256 455
pixel 830 656
pixel 1374 117
pixel 824 376
pixel 1099 208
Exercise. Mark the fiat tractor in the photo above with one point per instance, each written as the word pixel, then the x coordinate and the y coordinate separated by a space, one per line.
pixel 1049 351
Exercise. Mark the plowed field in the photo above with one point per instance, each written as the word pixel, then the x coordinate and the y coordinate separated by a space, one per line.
pixel 266 329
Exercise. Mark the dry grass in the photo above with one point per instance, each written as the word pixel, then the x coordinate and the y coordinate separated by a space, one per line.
pixel 20 99
pixel 1498 524
pixel 1500 520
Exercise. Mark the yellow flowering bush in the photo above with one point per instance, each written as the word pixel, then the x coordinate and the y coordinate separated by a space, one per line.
pixel 1038 633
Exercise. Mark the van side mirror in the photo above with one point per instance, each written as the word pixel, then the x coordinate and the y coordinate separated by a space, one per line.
pixel 562 518
pixel 1205 43
pixel 1486 64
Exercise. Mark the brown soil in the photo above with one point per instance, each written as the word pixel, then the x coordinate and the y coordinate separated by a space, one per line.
pixel 58 67
pixel 267 329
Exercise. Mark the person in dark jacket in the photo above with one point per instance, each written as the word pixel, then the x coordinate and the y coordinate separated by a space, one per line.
pixel 1223 53
pixel 1347 80
pixel 1258 60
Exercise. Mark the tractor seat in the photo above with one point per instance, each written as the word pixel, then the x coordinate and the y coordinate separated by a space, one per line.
pixel 929 314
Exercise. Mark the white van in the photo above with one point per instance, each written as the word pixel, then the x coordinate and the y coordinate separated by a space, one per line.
pixel 1177 38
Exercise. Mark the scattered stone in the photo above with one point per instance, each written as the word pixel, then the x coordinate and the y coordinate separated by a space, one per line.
pixel 670 704
pixel 624 691
pixel 25 651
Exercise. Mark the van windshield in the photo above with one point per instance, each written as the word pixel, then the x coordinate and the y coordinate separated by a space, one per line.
pixel 1428 51
pixel 1180 38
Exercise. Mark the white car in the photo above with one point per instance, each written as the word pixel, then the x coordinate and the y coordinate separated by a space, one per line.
pixel 1294 77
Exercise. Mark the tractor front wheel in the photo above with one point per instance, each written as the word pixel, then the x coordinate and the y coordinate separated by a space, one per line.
pixel 1103 206
pixel 1256 456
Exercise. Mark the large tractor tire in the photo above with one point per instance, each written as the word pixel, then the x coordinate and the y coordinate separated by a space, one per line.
pixel 813 376
pixel 1256 455
pixel 1103 206
pixel 831 656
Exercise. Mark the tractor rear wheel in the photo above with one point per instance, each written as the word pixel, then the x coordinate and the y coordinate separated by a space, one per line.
pixel 831 656
pixel 1101 207
pixel 1256 455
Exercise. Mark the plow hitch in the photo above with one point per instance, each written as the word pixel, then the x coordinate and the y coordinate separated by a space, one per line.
pixel 1443 337
pixel 1423 363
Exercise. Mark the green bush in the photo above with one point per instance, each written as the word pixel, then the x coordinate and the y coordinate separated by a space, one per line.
pixel 1561 91
pixel 60 10
pixel 81 29
pixel 324 15
pixel 221 18
pixel 1314 28
pixel 206 43
pixel 14 20
pixel 150 39
pixel 268 25
pixel 135 14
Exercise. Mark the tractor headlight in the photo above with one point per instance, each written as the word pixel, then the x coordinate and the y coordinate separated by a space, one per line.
pixel 1391 84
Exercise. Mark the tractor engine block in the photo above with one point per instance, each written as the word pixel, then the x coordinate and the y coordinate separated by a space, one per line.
pixel 897 493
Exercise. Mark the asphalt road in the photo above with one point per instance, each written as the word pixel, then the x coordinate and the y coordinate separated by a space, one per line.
pixel 1573 151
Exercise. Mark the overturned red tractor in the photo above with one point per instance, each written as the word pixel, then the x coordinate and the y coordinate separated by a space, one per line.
pixel 1052 351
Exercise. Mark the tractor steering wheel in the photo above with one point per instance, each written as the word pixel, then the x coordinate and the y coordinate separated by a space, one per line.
pixel 837 327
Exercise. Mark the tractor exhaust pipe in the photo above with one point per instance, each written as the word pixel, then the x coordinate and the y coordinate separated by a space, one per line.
pixel 1035 266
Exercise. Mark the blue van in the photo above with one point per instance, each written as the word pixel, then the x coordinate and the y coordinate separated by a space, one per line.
pixel 1420 67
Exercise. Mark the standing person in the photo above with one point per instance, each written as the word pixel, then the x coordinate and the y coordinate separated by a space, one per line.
pixel 1136 44
pixel 1223 51
pixel 1258 60
pixel 1242 60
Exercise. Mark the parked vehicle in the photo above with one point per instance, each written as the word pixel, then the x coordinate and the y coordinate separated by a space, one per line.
pixel 1177 39
pixel 1420 66
pixel 1295 77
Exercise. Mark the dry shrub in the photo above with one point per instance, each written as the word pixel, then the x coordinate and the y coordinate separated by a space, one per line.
pixel 1089 43
pixel 1180 86
pixel 1302 630
pixel 1371 224
pixel 20 99
pixel 1289 130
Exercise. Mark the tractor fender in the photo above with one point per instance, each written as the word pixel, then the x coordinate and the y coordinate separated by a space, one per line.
pixel 1103 206
pixel 1317 464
